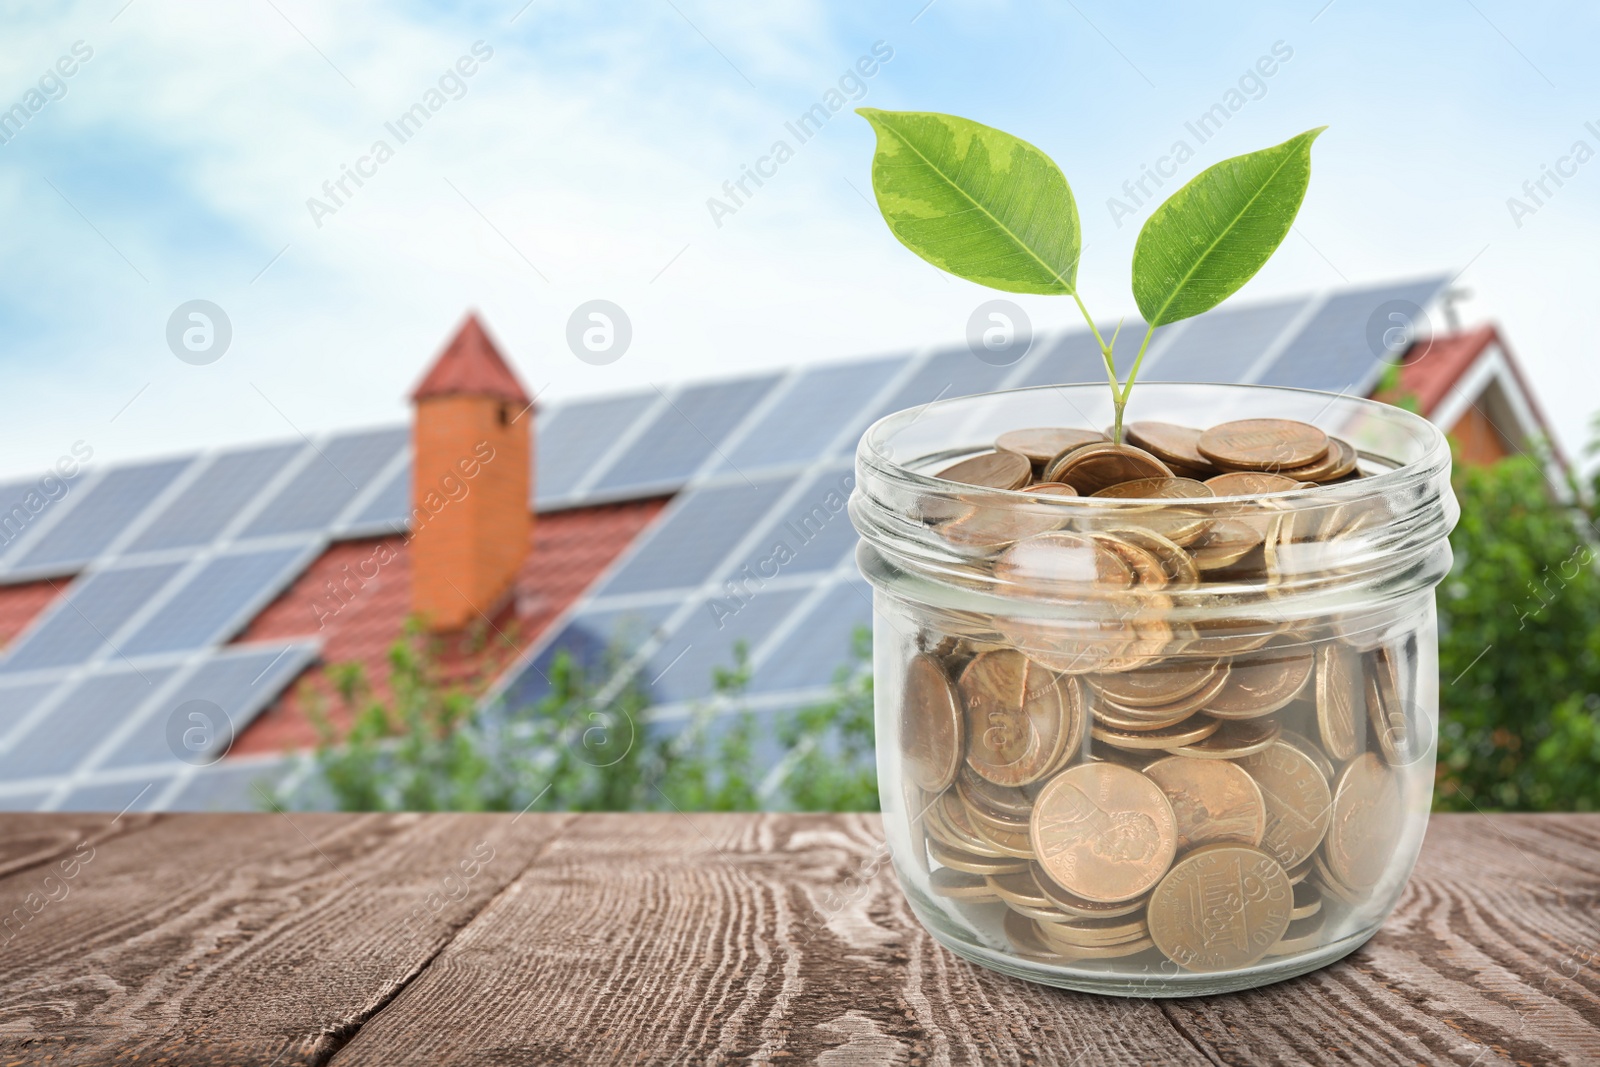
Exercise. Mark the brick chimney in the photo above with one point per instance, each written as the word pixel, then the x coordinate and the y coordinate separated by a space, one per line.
pixel 471 482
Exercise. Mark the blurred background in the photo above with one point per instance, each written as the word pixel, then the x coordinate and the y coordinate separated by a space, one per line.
pixel 273 272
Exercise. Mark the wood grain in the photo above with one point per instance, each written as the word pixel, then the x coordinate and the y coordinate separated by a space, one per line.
pixel 728 939
pixel 243 938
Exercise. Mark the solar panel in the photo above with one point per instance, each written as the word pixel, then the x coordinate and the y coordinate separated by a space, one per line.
pixel 698 533
pixel 392 505
pixel 812 534
pixel 587 637
pixel 821 644
pixel 1345 340
pixel 681 670
pixel 115 797
pixel 16 701
pixel 213 600
pixel 232 785
pixel 341 469
pixel 241 681
pixel 953 372
pixel 94 707
pixel 815 410
pixel 685 432
pixel 103 511
pixel 23 503
pixel 93 608
pixel 1222 345
pixel 1073 357
pixel 577 433
pixel 214 499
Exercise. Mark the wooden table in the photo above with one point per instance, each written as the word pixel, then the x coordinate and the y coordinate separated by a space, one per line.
pixel 487 939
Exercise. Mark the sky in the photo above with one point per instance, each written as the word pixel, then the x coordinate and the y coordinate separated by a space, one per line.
pixel 185 158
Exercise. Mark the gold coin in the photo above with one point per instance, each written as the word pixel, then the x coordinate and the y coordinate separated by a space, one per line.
pixel 1263 444
pixel 1213 800
pixel 930 725
pixel 971 862
pixel 1250 483
pixel 1072 933
pixel 1235 740
pixel 1301 936
pixel 1019 889
pixel 991 470
pixel 1299 804
pixel 1307 902
pixel 1186 732
pixel 1093 467
pixel 1396 739
pixel 1221 907
pixel 1367 820
pixel 1159 684
pixel 1043 444
pixel 1016 717
pixel 1077 907
pixel 960 885
pixel 1061 561
pixel 1264 681
pixel 1103 832
pixel 1168 442
pixel 1224 543
pixel 1340 688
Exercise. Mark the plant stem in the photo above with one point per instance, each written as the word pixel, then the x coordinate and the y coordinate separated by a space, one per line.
pixel 1122 397
pixel 1111 366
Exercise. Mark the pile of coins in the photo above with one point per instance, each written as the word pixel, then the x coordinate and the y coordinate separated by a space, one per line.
pixel 1207 796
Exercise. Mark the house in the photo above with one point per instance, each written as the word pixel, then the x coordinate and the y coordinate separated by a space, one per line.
pixel 168 626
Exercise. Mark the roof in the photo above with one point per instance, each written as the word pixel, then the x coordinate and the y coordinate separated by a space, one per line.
pixel 471 365
pixel 189 577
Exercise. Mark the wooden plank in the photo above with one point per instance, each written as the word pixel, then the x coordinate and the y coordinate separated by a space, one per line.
pixel 29 839
pixel 251 938
pixel 715 939
pixel 1492 957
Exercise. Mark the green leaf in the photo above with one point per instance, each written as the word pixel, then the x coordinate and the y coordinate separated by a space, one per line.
pixel 979 203
pixel 1215 233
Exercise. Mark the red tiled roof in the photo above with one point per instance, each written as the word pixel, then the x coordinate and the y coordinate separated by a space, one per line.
pixel 20 603
pixel 471 365
pixel 1432 368
pixel 569 551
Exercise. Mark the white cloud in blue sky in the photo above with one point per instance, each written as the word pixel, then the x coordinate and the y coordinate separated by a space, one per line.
pixel 576 162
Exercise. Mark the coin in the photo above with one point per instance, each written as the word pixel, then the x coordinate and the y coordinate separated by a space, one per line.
pixel 1213 800
pixel 1307 902
pixel 1070 933
pixel 1008 842
pixel 1250 483
pixel 1177 563
pixel 1339 461
pixel 1103 832
pixel 1168 442
pixel 1263 444
pixel 1221 907
pixel 992 470
pixel 1264 681
pixel 1299 804
pixel 1234 740
pixel 938 828
pixel 1073 952
pixel 1224 542
pixel 1174 522
pixel 1178 709
pixel 990 525
pixel 1148 573
pixel 1075 906
pixel 960 885
pixel 971 862
pixel 1042 444
pixel 1310 750
pixel 1396 740
pixel 1158 684
pixel 1093 467
pixel 1025 939
pixel 1014 717
pixel 1367 818
pixel 1330 885
pixel 1001 802
pixel 1117 719
pixel 1018 888
pixel 1063 560
pixel 930 725
pixel 1051 489
pixel 1186 732
pixel 1045 914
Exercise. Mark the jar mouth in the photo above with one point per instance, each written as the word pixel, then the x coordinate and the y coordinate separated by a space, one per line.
pixel 1399 513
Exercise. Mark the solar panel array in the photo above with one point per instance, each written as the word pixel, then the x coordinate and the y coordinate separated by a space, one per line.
pixel 169 560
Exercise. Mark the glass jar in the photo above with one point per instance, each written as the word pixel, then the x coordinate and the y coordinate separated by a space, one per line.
pixel 1203 766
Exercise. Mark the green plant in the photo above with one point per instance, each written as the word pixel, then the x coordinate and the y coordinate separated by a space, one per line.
pixel 993 209
pixel 589 744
